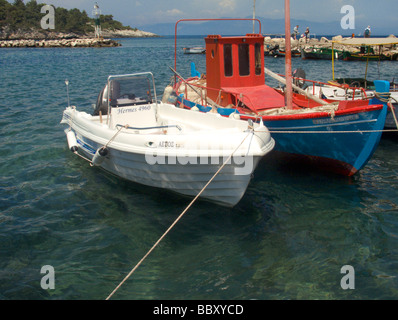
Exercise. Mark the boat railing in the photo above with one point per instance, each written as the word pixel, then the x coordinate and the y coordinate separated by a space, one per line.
pixel 346 87
pixel 199 90
pixel 240 99
pixel 150 128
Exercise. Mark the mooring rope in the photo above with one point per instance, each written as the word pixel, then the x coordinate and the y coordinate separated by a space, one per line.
pixel 114 136
pixel 386 97
pixel 179 217
pixel 383 96
pixel 393 113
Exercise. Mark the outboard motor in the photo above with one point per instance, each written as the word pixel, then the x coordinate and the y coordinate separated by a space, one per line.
pixel 102 103
pixel 299 73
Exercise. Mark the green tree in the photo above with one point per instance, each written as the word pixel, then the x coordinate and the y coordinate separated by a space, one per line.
pixel 33 15
pixel 61 18
pixel 4 10
pixel 17 15
pixel 76 21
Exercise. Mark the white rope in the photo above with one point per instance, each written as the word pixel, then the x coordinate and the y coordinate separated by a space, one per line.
pixel 83 157
pixel 179 217
pixel 114 136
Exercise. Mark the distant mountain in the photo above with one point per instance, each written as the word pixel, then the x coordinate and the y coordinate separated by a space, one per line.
pixel 269 26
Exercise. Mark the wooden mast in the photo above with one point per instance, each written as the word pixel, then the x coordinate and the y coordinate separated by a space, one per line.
pixel 288 58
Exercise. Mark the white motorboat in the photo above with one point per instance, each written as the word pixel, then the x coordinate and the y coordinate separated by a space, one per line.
pixel 136 137
pixel 194 50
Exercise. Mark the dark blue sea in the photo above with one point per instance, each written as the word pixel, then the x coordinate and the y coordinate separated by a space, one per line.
pixel 288 238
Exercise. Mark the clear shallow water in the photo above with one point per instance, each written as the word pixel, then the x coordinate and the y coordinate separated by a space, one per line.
pixel 287 239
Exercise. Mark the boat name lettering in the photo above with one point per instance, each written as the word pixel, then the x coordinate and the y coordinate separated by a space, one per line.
pixel 166 144
pixel 330 120
pixel 170 144
pixel 136 109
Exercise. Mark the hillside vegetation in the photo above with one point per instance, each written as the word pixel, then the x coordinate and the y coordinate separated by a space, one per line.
pixel 20 16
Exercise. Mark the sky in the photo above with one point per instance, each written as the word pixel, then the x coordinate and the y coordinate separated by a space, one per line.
pixel 138 13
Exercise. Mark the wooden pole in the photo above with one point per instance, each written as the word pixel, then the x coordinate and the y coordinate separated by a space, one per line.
pixel 288 58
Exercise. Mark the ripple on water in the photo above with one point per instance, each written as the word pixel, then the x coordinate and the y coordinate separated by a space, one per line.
pixel 287 239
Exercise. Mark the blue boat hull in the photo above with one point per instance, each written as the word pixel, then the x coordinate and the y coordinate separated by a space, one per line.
pixel 343 144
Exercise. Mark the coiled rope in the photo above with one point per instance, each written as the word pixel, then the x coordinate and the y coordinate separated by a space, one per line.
pixel 251 131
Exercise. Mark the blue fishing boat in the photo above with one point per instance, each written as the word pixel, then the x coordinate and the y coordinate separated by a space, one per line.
pixel 340 137
pixel 342 143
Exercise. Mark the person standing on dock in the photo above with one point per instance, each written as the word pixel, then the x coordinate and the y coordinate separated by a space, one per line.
pixel 295 32
pixel 307 34
pixel 367 32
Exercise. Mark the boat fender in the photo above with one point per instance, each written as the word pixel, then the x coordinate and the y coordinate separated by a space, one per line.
pixel 195 108
pixel 169 95
pixel 72 143
pixel 299 75
pixel 99 156
pixel 166 94
pixel 173 98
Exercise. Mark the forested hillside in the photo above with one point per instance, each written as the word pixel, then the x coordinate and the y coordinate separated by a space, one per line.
pixel 20 16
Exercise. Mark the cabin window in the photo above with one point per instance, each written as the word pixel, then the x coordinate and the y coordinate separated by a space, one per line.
pixel 257 53
pixel 228 60
pixel 244 62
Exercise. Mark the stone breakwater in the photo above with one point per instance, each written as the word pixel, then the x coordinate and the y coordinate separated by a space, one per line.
pixel 46 39
pixel 87 42
pixel 273 44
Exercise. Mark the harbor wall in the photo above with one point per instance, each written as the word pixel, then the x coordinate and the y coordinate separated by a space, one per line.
pixel 270 43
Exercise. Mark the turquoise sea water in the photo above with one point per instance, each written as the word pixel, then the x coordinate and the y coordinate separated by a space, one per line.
pixel 288 238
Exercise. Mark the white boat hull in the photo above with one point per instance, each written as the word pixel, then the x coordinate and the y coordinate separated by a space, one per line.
pixel 194 50
pixel 180 161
